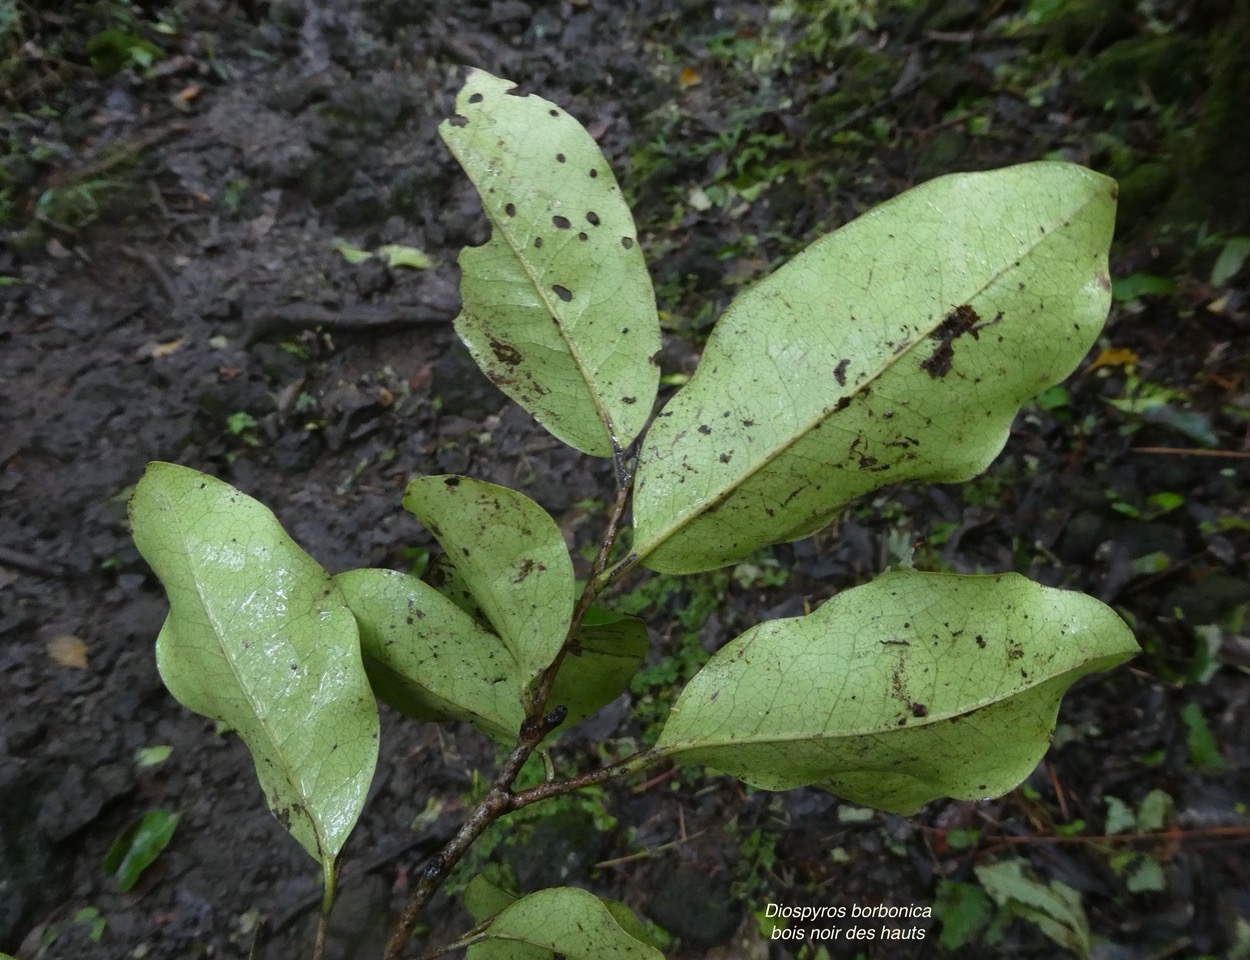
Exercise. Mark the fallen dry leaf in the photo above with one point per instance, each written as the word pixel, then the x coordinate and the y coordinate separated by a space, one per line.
pixel 67 650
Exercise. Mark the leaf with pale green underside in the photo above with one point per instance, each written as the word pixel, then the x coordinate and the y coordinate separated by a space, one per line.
pixel 898 348
pixel 260 638
pixel 428 658
pixel 566 921
pixel 558 308
pixel 509 554
pixel 913 687
pixel 1055 908
pixel 597 668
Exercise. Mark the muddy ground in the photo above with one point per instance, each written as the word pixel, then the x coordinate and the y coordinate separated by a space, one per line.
pixel 173 291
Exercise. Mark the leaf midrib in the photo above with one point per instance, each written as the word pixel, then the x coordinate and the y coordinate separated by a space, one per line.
pixel 219 632
pixel 605 418
pixel 705 506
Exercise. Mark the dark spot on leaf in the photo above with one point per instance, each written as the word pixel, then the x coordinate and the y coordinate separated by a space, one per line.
pixel 527 567
pixel 624 330
pixel 458 121
pixel 452 481
pixel 592 218
pixel 980 641
pixel 554 112
pixel 538 242
pixel 655 362
pixel 839 372
pixel 963 319
pixel 560 158
pixel 919 710
pixel 465 551
pixel 476 98
pixel 561 222
pixel 627 242
pixel 793 493
pixel 593 173
pixel 842 404
pixel 583 236
pixel 505 352
pixel 726 457
pixel 629 400
pixel 748 423
pixel 510 209
pixel 704 429
pixel 564 293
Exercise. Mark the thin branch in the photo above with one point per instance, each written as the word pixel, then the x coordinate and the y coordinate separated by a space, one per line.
pixel 537 725
pixel 1189 452
pixel 648 853
pixel 319 948
pixel 1161 836
pixel 495 804
pixel 622 768
pixel 589 592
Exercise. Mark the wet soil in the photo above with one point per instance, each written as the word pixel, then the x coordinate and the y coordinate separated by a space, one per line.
pixel 199 311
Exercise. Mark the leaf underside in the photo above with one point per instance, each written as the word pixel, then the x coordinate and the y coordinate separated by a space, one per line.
pixel 913 687
pixel 898 348
pixel 258 636
pixel 599 664
pixel 428 658
pixel 509 554
pixel 558 308
pixel 565 921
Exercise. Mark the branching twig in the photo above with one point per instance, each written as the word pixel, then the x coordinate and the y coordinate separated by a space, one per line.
pixel 495 804
pixel 538 724
pixel 1190 452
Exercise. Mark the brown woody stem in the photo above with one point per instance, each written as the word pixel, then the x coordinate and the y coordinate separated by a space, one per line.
pixel 500 799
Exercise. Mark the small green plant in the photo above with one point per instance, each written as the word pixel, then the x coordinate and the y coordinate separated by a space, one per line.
pixel 898 348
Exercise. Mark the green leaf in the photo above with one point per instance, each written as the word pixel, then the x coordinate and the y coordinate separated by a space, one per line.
pixel 1230 261
pixel 401 256
pixel 558 308
pixel 352 255
pixel 1120 817
pixel 563 920
pixel 510 554
pixel 1140 285
pixel 427 658
pixel 152 756
pixel 139 845
pixel 260 638
pixel 965 911
pixel 598 666
pixel 482 899
pixel 1204 752
pixel 1054 908
pixel 912 687
pixel 1153 811
pixel 90 916
pixel 1144 875
pixel 898 348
